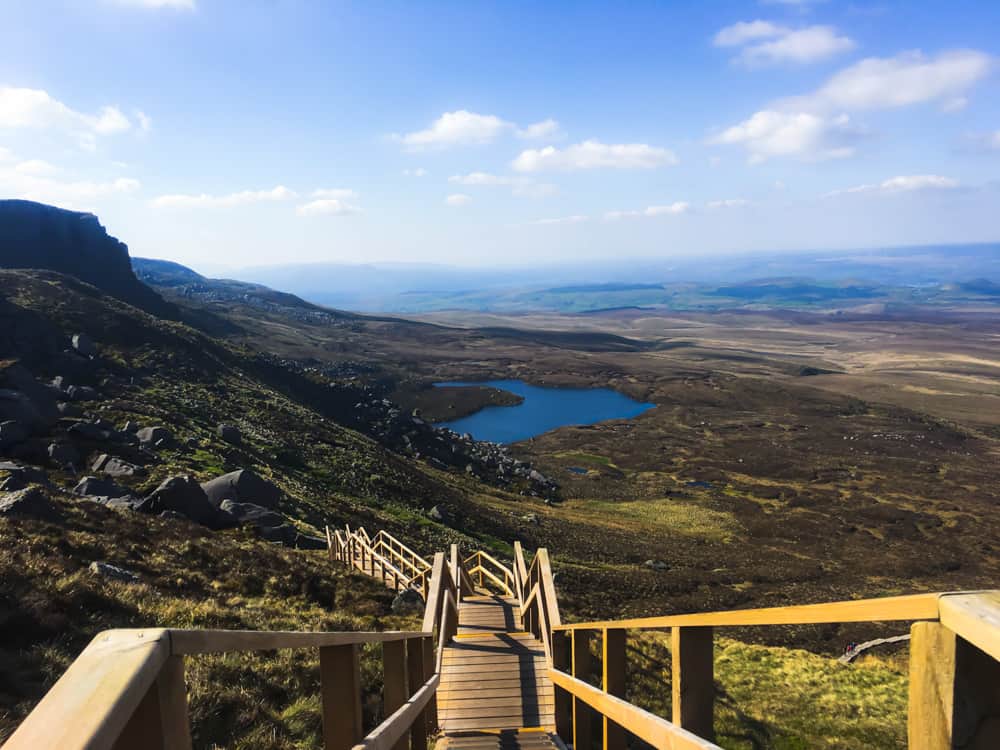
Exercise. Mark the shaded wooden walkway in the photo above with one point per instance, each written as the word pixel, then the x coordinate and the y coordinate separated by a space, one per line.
pixel 495 690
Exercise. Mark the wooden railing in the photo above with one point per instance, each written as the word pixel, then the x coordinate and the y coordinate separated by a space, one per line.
pixel 954 669
pixel 486 570
pixel 383 557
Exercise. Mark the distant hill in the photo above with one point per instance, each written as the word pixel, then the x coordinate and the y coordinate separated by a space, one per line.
pixel 39 236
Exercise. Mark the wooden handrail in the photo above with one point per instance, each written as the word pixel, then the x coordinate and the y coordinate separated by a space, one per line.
pixel 913 607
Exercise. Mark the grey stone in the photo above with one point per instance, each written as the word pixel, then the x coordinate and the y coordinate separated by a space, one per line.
pixel 29 503
pixel 304 541
pixel 81 393
pixel 63 453
pixel 13 483
pixel 655 565
pixel 116 467
pixel 83 344
pixel 248 513
pixel 88 431
pixel 113 572
pixel 408 602
pixel 99 487
pixel 283 534
pixel 230 433
pixel 130 426
pixel 184 495
pixel 172 515
pixel 152 435
pixel 67 409
pixel 242 486
pixel 440 514
pixel 12 432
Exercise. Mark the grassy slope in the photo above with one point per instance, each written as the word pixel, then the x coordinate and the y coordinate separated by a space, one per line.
pixel 170 374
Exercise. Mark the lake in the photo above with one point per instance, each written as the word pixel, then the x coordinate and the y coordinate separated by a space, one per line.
pixel 543 409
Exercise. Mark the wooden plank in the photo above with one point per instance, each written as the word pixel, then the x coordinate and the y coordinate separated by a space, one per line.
pixel 493 701
pixel 613 682
pixel 430 714
pixel 658 732
pixel 387 734
pixel 91 703
pixel 415 680
pixel 219 641
pixel 494 669
pixel 395 689
pixel 932 686
pixel 581 667
pixel 693 683
pixel 172 693
pixel 564 702
pixel 491 691
pixel 340 690
pixel 488 711
pixel 514 682
pixel 887 609
pixel 144 730
pixel 975 617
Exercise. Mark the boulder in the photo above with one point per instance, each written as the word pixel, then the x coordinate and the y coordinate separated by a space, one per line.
pixel 151 436
pixel 655 565
pixel 43 399
pixel 304 541
pixel 29 503
pixel 113 572
pixel 88 431
pixel 17 407
pixel 126 502
pixel 82 344
pixel 67 409
pixel 440 514
pixel 81 393
pixel 408 602
pixel 248 513
pixel 230 433
pixel 63 454
pixel 242 486
pixel 12 432
pixel 13 483
pixel 283 534
pixel 93 486
pixel 130 426
pixel 184 495
pixel 116 467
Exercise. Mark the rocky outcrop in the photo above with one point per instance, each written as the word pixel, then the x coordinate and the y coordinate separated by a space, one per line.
pixel 34 235
pixel 183 495
pixel 242 486
pixel 31 502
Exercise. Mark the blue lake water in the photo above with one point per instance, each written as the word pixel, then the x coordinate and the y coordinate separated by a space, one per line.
pixel 543 409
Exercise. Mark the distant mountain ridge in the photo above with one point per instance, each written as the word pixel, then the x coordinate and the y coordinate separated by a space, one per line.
pixel 39 236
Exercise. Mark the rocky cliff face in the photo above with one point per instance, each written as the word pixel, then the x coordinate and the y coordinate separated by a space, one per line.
pixel 34 235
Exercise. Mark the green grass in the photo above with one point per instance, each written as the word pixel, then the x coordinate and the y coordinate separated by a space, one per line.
pixel 657 516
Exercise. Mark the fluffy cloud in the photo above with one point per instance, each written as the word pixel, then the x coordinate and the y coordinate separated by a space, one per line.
pixel 594 155
pixel 520 186
pixel 328 207
pixel 464 128
pixel 335 193
pixel 231 200
pixel 22 108
pixel 802 135
pixel 457 199
pixel 909 78
pixel 561 220
pixel 36 180
pixel 904 184
pixel 418 172
pixel 672 209
pixel 178 4
pixel 729 203
pixel 773 43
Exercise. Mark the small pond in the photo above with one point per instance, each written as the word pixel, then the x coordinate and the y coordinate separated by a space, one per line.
pixel 543 409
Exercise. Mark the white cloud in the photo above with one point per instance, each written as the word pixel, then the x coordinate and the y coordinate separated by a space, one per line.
pixel 5 154
pixel 34 180
pixel 37 167
pixel 594 155
pixel 328 207
pixel 728 203
pixel 145 121
pixel 577 219
pixel 909 78
pixel 672 209
pixel 747 31
pixel 37 109
pixel 540 130
pixel 335 193
pixel 242 198
pixel 153 4
pixel 483 178
pixel 904 184
pixel 457 199
pixel 773 43
pixel 418 172
pixel 802 135
pixel 520 186
pixel 458 128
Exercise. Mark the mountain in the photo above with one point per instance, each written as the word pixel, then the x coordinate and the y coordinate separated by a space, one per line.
pixel 35 235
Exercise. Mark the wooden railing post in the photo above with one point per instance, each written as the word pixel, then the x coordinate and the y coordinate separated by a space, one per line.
pixel 564 702
pixel 395 688
pixel 954 691
pixel 415 680
pixel 160 722
pixel 613 682
pixel 693 685
pixel 340 686
pixel 582 666
pixel 430 715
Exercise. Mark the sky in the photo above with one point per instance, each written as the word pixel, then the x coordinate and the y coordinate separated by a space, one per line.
pixel 232 133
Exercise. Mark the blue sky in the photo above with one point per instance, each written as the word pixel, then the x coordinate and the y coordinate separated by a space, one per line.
pixel 229 134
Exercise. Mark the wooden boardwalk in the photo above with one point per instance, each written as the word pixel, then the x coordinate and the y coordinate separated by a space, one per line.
pixel 495 691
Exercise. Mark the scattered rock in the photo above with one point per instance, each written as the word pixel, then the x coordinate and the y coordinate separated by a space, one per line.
pixel 13 483
pixel 29 503
pixel 130 426
pixel 248 513
pixel 93 486
pixel 63 454
pixel 304 541
pixel 531 518
pixel 440 514
pixel 83 344
pixel 184 495
pixel 116 467
pixel 242 486
pixel 152 436
pixel 408 602
pixel 230 433
pixel 88 431
pixel 284 534
pixel 655 565
pixel 172 515
pixel 113 572
pixel 67 409
pixel 82 393
pixel 12 432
